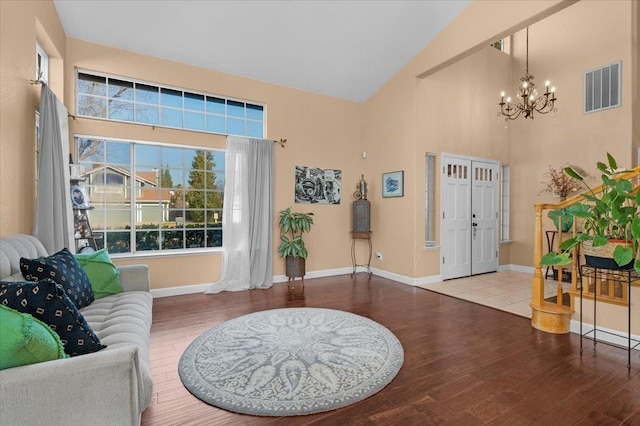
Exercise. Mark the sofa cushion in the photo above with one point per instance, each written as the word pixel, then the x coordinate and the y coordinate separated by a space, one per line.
pixel 125 319
pixel 63 268
pixel 47 301
pixel 102 273
pixel 26 340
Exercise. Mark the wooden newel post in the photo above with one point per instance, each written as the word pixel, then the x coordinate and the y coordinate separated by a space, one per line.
pixel 537 282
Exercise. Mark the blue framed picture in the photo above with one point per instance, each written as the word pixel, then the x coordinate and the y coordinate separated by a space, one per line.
pixel 393 184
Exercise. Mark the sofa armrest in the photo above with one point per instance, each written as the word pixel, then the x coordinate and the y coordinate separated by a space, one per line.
pixel 134 277
pixel 97 389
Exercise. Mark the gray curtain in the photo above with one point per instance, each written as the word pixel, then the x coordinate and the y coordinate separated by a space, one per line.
pixel 53 223
pixel 247 216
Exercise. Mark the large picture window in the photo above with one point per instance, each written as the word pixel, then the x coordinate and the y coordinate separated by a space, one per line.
pixel 119 99
pixel 152 197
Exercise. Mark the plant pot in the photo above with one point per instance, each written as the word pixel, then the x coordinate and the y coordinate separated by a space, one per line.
pixel 295 267
pixel 602 257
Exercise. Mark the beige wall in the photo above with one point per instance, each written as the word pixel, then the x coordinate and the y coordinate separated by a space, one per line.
pixel 22 23
pixel 321 132
pixel 451 107
pixel 443 100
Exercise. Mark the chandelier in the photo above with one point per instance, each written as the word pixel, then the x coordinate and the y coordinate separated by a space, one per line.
pixel 529 100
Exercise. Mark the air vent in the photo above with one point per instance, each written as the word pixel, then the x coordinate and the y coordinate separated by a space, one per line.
pixel 602 88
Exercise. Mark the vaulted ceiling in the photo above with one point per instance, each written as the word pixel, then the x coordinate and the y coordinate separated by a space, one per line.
pixel 346 49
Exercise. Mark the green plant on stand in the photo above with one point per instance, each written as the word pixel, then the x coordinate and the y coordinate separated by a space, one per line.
pixel 612 215
pixel 561 216
pixel 292 226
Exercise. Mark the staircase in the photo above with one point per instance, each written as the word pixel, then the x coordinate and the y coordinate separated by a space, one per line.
pixel 555 317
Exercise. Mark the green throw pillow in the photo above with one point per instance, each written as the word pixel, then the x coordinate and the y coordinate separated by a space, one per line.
pixel 103 275
pixel 26 340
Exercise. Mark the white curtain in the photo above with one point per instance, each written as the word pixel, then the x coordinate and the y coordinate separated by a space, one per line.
pixel 247 216
pixel 53 224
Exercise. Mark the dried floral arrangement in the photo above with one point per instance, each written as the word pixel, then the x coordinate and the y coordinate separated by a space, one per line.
pixel 559 183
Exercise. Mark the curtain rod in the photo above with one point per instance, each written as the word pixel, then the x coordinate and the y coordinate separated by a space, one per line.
pixel 41 82
pixel 281 142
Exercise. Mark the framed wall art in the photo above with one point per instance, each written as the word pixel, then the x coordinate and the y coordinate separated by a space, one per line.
pixel 393 184
pixel 314 185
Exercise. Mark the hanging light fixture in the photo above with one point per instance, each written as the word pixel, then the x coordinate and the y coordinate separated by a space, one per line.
pixel 529 100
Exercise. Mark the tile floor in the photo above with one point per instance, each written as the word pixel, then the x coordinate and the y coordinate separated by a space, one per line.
pixel 508 291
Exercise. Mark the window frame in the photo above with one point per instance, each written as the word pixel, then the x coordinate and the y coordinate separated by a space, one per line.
pixel 42 64
pixel 505 202
pixel 135 208
pixel 185 108
pixel 430 200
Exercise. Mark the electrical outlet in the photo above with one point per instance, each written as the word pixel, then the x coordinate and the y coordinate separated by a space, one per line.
pixel 378 255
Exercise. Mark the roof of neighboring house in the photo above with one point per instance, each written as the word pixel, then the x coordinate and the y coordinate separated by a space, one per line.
pixel 149 191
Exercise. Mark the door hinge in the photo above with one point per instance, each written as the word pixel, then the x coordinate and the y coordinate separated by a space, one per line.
pixel 443 215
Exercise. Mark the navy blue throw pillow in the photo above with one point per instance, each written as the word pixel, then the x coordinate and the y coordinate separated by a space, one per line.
pixel 64 269
pixel 46 301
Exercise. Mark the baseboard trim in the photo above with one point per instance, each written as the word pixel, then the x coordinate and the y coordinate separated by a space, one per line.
pixel 430 279
pixel 620 339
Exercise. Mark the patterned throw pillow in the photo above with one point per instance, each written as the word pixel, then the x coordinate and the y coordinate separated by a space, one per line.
pixel 63 268
pixel 46 301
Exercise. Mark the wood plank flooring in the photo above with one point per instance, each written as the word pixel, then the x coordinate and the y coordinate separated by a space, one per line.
pixel 465 364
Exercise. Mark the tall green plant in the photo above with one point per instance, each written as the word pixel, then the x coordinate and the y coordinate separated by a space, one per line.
pixel 292 226
pixel 613 214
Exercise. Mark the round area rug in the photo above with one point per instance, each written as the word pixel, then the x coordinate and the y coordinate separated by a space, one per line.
pixel 294 361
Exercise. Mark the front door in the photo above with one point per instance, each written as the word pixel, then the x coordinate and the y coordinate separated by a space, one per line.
pixel 469 217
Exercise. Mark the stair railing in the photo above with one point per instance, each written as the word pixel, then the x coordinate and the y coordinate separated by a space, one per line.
pixel 538 281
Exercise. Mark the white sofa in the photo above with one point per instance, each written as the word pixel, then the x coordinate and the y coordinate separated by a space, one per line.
pixel 109 387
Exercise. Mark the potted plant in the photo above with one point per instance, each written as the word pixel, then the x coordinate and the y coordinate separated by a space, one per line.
pixel 611 222
pixel 292 248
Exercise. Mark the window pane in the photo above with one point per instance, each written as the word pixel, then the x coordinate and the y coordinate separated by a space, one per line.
pixel 254 129
pixel 119 89
pixel 193 101
pixel 118 153
pixel 171 178
pixel 171 157
pixel 195 238
pixel 235 126
pixel 190 156
pixel 255 112
pixel 215 124
pixel 92 84
pixel 172 240
pixel 193 120
pixel 118 219
pixel 90 151
pixel 147 155
pixel 170 97
pixel 120 110
pixel 215 105
pixel 147 240
pixel 147 94
pixel 92 106
pixel 118 242
pixel 235 108
pixel 147 114
pixel 214 237
pixel 148 215
pixel 171 117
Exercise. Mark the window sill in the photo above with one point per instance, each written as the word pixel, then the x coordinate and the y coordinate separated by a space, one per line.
pixel 430 248
pixel 506 241
pixel 167 253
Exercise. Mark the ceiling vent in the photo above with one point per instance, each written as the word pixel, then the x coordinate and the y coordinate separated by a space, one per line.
pixel 602 88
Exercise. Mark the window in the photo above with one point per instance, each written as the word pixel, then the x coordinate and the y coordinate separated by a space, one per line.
pixel 505 196
pixel 152 197
pixel 602 88
pixel 42 64
pixel 429 211
pixel 119 99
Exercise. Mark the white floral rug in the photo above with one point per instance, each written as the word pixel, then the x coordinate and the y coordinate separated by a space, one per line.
pixel 286 362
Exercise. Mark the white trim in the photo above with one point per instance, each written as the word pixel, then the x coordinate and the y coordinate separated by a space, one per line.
pixel 621 340
pixel 414 282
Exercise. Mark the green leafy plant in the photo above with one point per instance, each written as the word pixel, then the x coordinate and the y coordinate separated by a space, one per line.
pixel 612 214
pixel 561 216
pixel 292 226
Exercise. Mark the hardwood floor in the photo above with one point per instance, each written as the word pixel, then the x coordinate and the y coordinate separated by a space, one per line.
pixel 465 364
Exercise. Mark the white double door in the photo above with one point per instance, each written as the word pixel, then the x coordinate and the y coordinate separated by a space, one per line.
pixel 469 240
